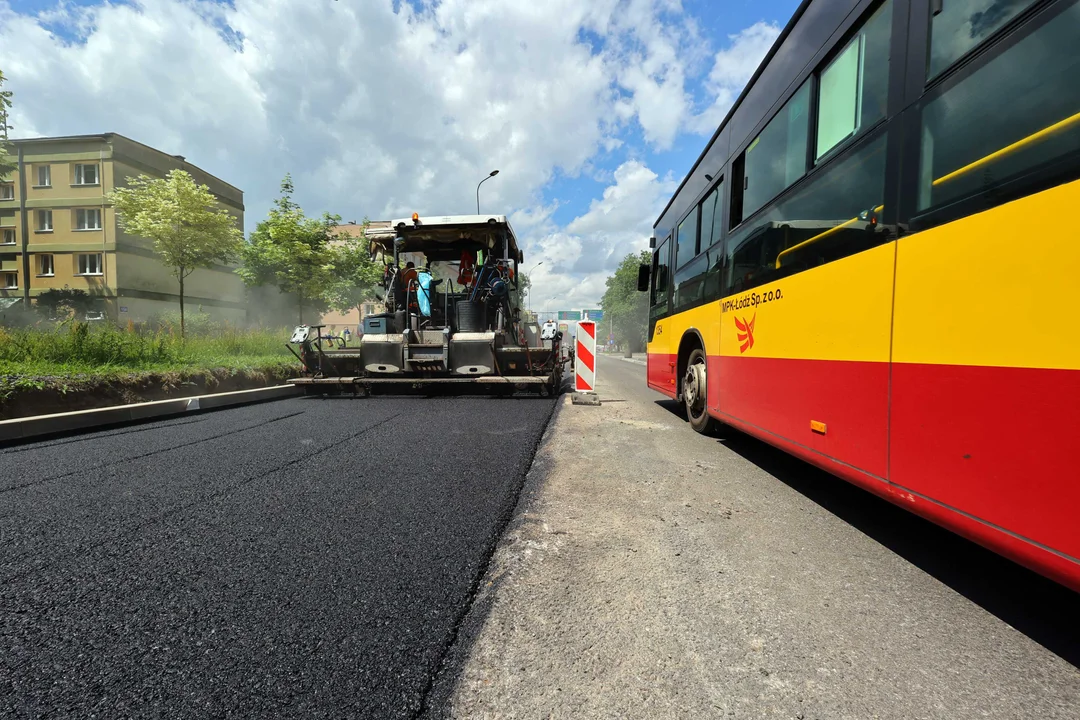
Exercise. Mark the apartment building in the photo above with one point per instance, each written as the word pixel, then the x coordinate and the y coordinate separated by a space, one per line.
pixel 58 231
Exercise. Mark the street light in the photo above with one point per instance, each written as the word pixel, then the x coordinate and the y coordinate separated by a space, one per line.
pixel 529 275
pixel 491 175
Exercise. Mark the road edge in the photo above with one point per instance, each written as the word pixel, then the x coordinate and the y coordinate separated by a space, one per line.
pixel 438 696
pixel 44 426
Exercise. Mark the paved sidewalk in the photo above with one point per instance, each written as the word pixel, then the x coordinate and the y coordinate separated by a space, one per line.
pixel 637 359
pixel 650 572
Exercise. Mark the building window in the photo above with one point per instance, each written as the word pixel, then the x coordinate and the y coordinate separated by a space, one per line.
pixel 7 237
pixel 44 176
pixel 90 264
pixel 88 219
pixel 960 25
pixel 686 239
pixel 777 157
pixel 86 175
pixel 44 221
pixel 854 86
pixel 834 215
pixel 10 280
pixel 45 265
pixel 7 191
pixel 996 124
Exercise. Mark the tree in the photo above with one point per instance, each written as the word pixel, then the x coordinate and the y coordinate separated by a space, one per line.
pixel 520 297
pixel 292 251
pixel 6 150
pixel 355 274
pixel 624 305
pixel 524 285
pixel 189 229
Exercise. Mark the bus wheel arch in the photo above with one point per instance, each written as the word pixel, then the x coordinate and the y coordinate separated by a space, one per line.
pixel 691 341
pixel 693 382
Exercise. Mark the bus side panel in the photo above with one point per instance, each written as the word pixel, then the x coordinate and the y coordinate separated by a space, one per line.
pixel 783 396
pixel 814 348
pixel 986 380
pixel 1041 560
pixel 993 442
pixel 662 358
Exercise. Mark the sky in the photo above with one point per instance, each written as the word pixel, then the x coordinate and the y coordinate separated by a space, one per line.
pixel 593 111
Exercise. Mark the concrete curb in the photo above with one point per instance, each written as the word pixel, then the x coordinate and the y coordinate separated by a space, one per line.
pixel 60 423
pixel 634 360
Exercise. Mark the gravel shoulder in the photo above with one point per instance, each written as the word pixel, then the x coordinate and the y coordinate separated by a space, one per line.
pixel 653 573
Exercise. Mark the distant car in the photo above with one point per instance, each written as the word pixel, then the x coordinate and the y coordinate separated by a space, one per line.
pixel 95 315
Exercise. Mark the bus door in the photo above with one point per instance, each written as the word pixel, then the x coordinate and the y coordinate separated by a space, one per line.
pixel 662 348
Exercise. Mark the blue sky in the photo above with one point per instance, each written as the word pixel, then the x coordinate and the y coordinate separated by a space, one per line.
pixel 593 110
pixel 714 28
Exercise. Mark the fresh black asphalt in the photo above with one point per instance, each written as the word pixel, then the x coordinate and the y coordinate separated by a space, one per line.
pixel 303 558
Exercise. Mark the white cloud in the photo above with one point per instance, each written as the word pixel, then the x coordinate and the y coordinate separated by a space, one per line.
pixel 732 68
pixel 372 110
pixel 578 258
pixel 379 108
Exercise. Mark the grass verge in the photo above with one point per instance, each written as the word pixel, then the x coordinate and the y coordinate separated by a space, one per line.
pixel 76 366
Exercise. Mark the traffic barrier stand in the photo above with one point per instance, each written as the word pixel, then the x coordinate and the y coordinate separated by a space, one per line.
pixel 585 364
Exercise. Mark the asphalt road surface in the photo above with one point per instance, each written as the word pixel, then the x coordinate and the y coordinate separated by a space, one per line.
pixel 303 558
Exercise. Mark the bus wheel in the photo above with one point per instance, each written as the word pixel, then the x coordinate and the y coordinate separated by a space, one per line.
pixel 695 383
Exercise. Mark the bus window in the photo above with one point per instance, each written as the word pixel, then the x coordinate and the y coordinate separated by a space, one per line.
pixel 738 182
pixel 834 216
pixel 690 282
pixel 1017 112
pixel 960 25
pixel 854 86
pixel 686 238
pixel 777 157
pixel 711 208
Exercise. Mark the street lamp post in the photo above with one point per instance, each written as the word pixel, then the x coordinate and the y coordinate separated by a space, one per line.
pixel 490 175
pixel 529 275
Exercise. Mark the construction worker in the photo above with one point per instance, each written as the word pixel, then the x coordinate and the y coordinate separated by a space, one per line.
pixel 467 269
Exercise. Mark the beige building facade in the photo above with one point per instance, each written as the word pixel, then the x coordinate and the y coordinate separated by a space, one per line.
pixel 338 321
pixel 58 231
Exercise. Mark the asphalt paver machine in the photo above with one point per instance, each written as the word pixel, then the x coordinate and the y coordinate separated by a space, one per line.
pixel 450 322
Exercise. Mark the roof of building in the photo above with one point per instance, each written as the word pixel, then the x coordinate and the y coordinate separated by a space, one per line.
pixel 107 137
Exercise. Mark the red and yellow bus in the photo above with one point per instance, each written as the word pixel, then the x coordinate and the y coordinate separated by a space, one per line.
pixel 873 264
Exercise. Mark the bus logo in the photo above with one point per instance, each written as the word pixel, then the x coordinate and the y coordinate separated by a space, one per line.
pixel 746 333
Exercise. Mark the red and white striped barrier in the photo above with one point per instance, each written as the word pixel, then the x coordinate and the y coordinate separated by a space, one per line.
pixel 585 359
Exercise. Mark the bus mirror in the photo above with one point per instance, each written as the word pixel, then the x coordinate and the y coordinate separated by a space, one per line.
pixel 643 273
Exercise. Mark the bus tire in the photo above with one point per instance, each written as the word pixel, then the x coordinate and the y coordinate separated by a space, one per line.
pixel 694 392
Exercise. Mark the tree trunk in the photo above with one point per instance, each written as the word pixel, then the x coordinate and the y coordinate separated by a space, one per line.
pixel 181 303
pixel 300 306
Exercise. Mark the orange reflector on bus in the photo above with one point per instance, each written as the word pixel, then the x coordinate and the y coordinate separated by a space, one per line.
pixel 818 427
